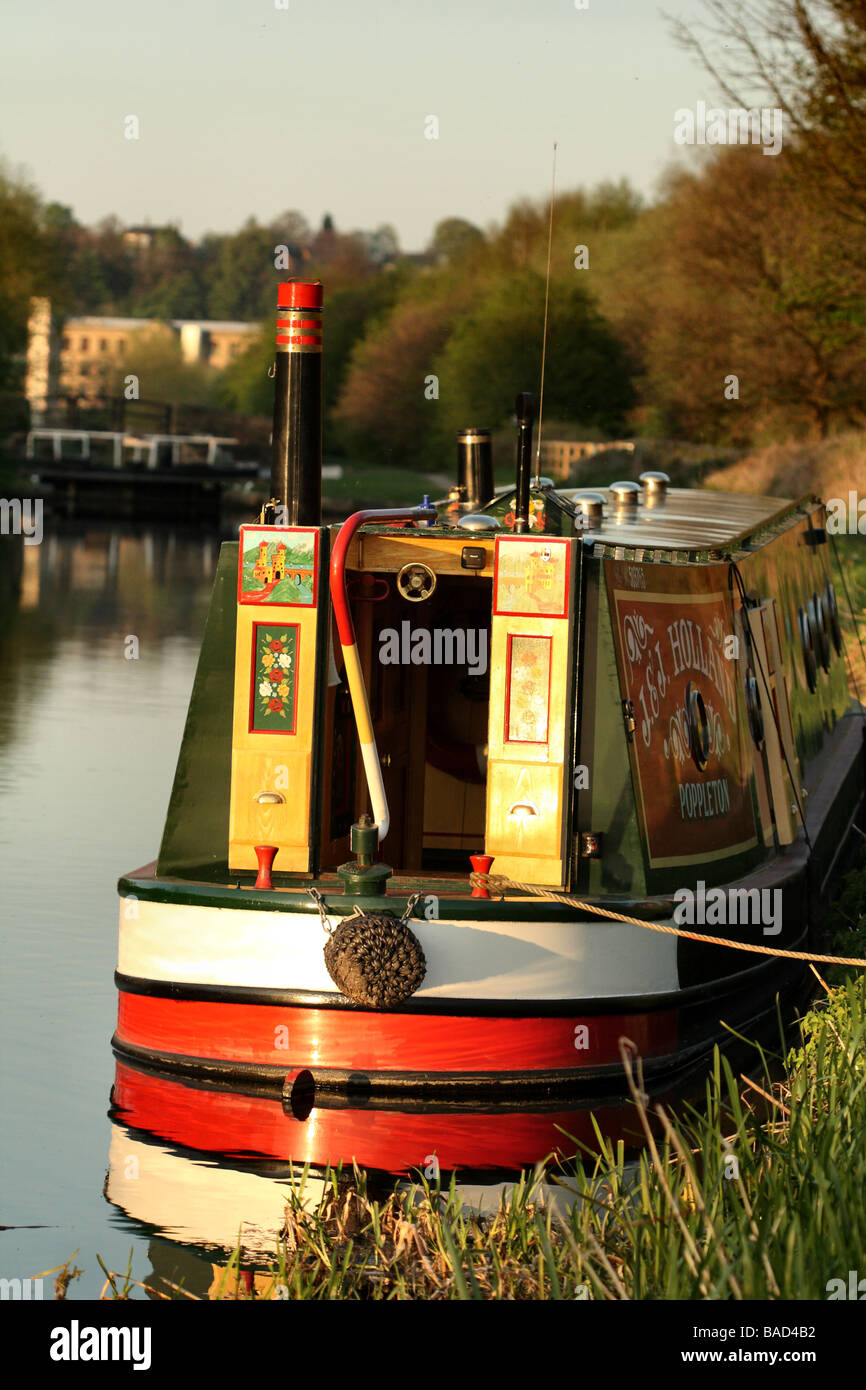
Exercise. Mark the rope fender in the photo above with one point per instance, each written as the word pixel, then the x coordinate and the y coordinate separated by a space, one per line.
pixel 374 958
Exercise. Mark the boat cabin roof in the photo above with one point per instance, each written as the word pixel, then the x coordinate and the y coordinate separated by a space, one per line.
pixel 685 519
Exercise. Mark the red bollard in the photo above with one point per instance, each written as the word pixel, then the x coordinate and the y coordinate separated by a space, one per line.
pixel 266 855
pixel 480 865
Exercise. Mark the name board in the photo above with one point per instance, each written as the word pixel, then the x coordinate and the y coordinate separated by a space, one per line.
pixel 674 634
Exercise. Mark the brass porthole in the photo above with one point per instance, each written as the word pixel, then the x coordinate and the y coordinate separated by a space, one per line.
pixel 698 726
pixel 810 665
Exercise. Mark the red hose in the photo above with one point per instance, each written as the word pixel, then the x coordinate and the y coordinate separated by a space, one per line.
pixel 339 597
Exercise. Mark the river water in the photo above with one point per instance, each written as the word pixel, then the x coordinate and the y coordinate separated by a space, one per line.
pixel 89 732
pixel 89 739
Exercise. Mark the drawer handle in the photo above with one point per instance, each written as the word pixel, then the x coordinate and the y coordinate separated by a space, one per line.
pixel 270 799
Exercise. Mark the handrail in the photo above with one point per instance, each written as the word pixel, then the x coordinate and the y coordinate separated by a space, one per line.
pixel 346 631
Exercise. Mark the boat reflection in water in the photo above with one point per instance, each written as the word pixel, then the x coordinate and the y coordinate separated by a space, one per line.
pixel 208 1167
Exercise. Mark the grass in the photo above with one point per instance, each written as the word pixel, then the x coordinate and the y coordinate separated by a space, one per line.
pixel 372 485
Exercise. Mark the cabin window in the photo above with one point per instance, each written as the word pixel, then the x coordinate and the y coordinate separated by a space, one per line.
pixel 698 727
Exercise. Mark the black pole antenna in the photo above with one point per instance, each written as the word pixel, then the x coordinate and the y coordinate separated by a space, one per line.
pixel 544 332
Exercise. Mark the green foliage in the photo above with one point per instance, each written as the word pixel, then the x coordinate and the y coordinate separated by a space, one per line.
pixel 384 413
pixel 26 268
pixel 453 238
pixel 156 359
pixel 243 278
pixel 245 385
pixel 495 351
pixel 351 313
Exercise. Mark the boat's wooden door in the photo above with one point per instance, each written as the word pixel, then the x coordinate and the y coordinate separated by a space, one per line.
pixel 532 701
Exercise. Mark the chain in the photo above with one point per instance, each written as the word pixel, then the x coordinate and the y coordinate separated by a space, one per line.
pixel 410 907
pixel 317 899
pixel 357 911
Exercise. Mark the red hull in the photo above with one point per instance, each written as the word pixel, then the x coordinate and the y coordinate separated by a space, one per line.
pixel 236 1036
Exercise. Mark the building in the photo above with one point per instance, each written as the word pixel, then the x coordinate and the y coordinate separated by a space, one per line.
pixel 215 342
pixel 142 238
pixel 43 358
pixel 92 348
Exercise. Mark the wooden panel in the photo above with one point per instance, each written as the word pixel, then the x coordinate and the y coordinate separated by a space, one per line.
pixel 762 626
pixel 762 791
pixel 528 781
pixel 528 836
pixel 276 759
pixel 372 552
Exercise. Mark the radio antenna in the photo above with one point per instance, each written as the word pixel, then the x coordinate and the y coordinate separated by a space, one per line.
pixel 544 331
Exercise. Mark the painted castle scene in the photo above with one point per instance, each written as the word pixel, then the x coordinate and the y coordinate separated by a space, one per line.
pixel 274 571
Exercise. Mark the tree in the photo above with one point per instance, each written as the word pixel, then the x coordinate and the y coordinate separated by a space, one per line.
pixel 495 351
pixel 809 58
pixel 738 274
pixel 381 245
pixel 26 268
pixel 154 356
pixel 386 407
pixel 241 279
pixel 177 296
pixel 291 228
pixel 453 238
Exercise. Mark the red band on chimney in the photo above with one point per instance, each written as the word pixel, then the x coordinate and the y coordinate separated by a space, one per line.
pixel 300 294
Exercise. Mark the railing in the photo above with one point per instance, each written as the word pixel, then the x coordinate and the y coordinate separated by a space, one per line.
pixel 115 449
pixel 116 415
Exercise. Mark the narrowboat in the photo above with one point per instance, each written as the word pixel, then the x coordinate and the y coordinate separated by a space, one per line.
pixel 634 698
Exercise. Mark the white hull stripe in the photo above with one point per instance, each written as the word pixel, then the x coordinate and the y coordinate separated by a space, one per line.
pixel 469 959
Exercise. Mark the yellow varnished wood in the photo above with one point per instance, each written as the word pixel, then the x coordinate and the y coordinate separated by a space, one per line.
pixel 377 553
pixel 278 762
pixel 528 847
pixel 764 631
pixel 762 790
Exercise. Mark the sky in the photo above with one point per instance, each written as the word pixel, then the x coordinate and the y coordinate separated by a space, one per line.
pixel 248 108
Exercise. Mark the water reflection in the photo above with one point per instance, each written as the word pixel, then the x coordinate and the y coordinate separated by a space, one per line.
pixel 205 1167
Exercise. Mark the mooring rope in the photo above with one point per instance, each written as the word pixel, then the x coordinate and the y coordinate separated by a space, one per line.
pixel 500 884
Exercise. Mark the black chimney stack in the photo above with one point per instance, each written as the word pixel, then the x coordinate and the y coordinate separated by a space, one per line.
pixel 525 408
pixel 296 458
pixel 475 467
